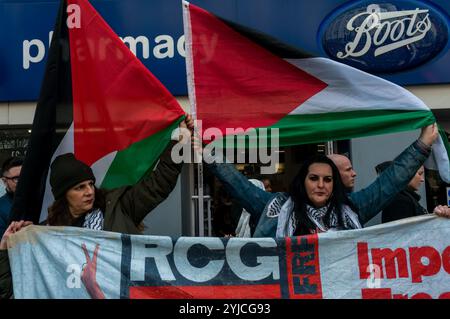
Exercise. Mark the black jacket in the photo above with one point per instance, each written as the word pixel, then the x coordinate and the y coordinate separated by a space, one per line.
pixel 404 205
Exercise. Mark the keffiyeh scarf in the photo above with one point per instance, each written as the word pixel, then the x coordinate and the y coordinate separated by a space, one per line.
pixel 94 220
pixel 287 224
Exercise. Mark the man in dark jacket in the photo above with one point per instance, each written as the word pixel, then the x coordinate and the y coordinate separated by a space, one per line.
pixel 10 176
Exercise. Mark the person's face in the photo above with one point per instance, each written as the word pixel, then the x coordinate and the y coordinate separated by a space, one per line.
pixel 417 180
pixel 348 175
pixel 81 198
pixel 319 184
pixel 11 177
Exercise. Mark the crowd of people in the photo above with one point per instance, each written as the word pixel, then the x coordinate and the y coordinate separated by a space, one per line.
pixel 320 197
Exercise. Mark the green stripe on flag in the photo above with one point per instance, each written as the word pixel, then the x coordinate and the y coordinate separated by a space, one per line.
pixel 314 128
pixel 131 164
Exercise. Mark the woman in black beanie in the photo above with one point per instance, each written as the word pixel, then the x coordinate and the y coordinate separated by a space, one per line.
pixel 72 184
pixel 79 203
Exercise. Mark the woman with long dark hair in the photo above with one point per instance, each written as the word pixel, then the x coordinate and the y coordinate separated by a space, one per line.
pixel 317 200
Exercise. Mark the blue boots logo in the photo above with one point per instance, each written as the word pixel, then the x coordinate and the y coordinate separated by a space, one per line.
pixel 386 36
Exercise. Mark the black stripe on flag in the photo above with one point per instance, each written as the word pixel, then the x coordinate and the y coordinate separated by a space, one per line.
pixel 53 117
pixel 280 49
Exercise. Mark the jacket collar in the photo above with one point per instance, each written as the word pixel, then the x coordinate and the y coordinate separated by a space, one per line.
pixel 412 193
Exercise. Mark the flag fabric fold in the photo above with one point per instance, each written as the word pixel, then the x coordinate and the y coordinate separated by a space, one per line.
pixel 98 101
pixel 240 78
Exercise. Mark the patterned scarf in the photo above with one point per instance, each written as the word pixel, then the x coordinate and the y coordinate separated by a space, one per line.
pixel 287 223
pixel 316 215
pixel 94 220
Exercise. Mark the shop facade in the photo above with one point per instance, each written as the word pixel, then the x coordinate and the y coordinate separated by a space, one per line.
pixel 153 31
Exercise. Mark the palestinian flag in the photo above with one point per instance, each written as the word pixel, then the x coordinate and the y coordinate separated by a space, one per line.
pixel 98 101
pixel 239 78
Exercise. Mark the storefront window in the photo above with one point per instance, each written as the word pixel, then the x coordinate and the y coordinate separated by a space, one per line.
pixel 13 142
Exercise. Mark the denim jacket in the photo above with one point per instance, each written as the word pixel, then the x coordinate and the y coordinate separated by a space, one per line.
pixel 368 202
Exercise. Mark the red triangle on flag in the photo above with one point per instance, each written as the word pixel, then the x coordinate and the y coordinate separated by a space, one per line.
pixel 239 84
pixel 116 100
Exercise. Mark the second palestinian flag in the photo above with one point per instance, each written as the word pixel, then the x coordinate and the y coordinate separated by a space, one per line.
pixel 239 78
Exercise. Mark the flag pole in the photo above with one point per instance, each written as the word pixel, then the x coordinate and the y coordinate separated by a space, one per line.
pixel 191 91
pixel 201 216
pixel 198 159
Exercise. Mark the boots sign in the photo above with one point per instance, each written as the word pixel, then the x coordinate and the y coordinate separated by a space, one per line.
pixel 386 36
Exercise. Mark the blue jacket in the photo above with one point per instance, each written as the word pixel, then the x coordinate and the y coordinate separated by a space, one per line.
pixel 368 202
pixel 6 202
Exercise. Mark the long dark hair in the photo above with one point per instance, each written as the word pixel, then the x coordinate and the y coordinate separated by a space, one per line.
pixel 59 214
pixel 300 198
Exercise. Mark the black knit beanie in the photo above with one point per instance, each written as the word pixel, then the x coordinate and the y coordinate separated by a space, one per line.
pixel 65 172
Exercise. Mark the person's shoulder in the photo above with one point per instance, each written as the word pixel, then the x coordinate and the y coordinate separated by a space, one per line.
pixel 114 193
pixel 401 200
pixel 5 204
pixel 274 205
pixel 402 196
pixel 4 197
pixel 281 196
pixel 402 206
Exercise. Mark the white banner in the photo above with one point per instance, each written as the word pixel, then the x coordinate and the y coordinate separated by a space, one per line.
pixel 403 259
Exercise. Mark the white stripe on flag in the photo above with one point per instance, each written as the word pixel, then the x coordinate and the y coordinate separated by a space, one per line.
pixel 100 168
pixel 350 89
pixel 66 146
pixel 439 160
